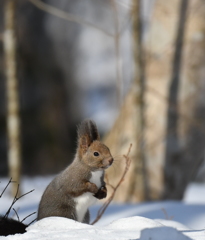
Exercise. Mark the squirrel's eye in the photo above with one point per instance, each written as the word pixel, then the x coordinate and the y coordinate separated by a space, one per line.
pixel 96 154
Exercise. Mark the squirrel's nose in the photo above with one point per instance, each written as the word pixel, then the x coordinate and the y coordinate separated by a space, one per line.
pixel 110 161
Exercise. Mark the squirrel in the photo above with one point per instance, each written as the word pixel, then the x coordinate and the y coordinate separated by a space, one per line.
pixel 74 190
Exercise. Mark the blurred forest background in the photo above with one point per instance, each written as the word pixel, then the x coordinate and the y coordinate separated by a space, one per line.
pixel 136 67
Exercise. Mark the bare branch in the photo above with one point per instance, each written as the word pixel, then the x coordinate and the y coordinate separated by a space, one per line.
pixel 108 183
pixel 72 18
pixel 25 194
pixel 13 202
pixel 124 4
pixel 29 216
pixel 10 181
pixel 106 204
pixel 67 16
pixel 16 199
pixel 16 214
pixel 167 217
pixel 32 222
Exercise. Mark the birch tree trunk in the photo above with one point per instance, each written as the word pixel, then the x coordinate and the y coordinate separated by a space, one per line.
pixel 175 107
pixel 13 122
pixel 181 166
pixel 175 82
pixel 130 125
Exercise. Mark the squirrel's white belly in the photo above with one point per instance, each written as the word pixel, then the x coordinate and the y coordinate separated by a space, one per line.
pixel 87 199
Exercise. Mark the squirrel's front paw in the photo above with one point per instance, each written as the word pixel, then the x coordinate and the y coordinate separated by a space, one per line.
pixel 92 187
pixel 102 193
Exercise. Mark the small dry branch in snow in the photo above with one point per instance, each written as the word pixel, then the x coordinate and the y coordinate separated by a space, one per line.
pixel 106 204
pixel 15 199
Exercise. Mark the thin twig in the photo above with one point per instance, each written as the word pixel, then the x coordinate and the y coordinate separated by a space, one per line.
pixel 10 181
pixel 73 18
pixel 16 214
pixel 32 222
pixel 28 216
pixel 67 16
pixel 24 194
pixel 13 202
pixel 124 4
pixel 166 214
pixel 16 199
pixel 106 204
pixel 107 182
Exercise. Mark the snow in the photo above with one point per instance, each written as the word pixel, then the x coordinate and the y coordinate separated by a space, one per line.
pixel 125 228
pixel 195 193
pixel 167 220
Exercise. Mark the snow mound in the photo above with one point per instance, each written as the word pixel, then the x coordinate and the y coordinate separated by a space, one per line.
pixel 134 223
pixel 56 224
pixel 140 228
pixel 171 223
pixel 162 233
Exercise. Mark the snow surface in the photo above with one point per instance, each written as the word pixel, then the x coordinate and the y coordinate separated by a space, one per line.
pixel 124 228
pixel 167 220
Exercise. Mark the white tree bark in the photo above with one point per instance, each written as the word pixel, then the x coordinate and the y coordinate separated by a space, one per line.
pixel 13 122
pixel 129 127
pixel 173 23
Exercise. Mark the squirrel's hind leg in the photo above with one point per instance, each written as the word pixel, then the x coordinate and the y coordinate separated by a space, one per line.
pixel 87 217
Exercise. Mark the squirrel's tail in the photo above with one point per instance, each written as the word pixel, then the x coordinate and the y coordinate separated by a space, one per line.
pixel 10 226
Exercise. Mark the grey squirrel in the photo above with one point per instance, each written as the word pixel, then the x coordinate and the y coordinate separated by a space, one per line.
pixel 74 190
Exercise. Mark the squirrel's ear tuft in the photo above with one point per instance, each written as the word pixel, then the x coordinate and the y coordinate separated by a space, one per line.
pixel 84 137
pixel 93 130
pixel 87 133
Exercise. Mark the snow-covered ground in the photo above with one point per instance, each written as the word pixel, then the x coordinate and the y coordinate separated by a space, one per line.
pixel 154 220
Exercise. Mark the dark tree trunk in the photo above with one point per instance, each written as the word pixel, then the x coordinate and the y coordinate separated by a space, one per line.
pixel 173 170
